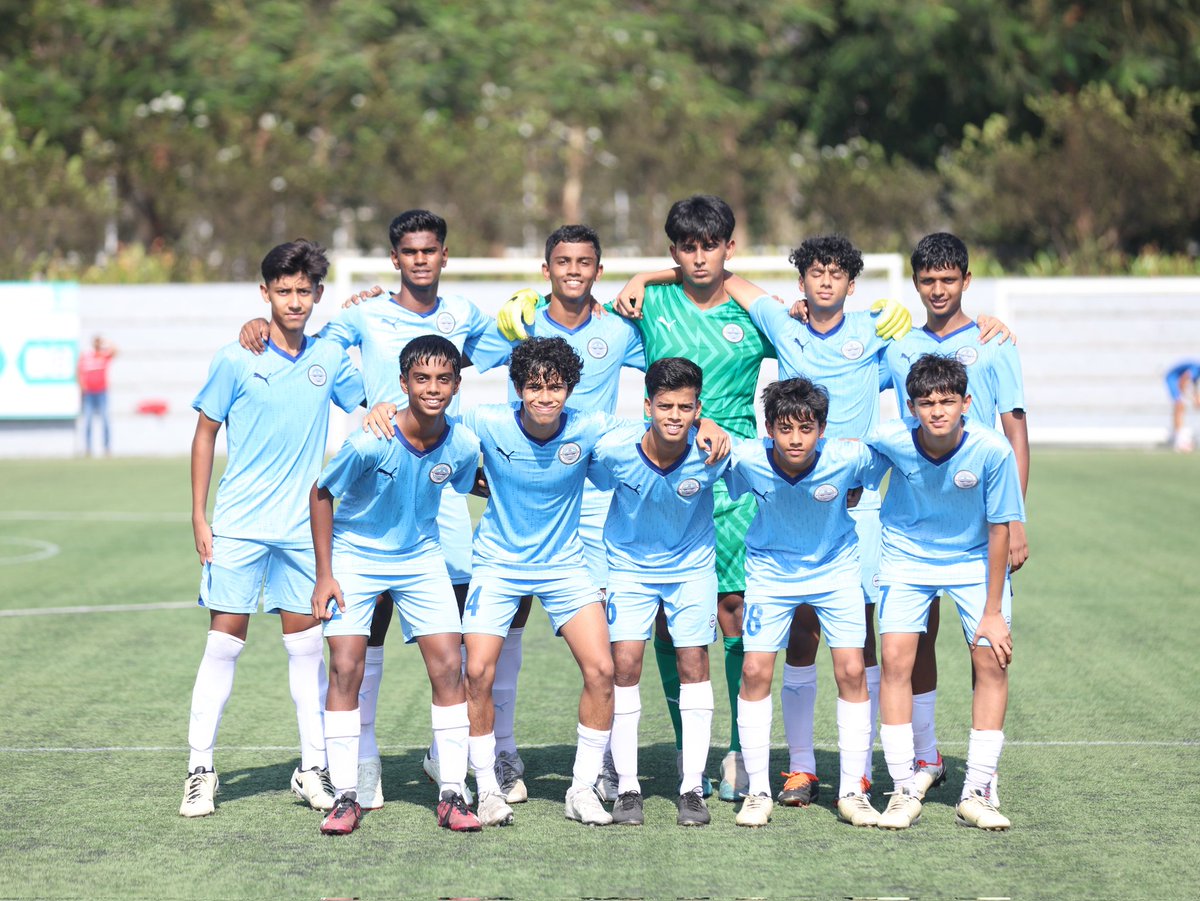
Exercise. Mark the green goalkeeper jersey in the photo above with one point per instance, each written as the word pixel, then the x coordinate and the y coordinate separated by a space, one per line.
pixel 722 341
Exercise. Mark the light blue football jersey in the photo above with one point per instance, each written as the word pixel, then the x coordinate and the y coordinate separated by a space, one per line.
pixel 390 493
pixel 802 539
pixel 604 343
pixel 660 522
pixel 845 362
pixel 532 518
pixel 936 514
pixel 381 328
pixel 276 414
pixel 993 370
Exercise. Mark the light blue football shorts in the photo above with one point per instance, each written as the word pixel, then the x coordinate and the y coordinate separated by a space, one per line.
pixel 422 594
pixel 243 570
pixel 767 618
pixel 905 608
pixel 690 607
pixel 493 597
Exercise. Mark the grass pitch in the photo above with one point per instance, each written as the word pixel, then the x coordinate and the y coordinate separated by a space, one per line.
pixel 1100 776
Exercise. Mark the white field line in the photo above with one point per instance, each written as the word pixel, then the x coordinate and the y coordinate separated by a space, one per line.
pixel 180 749
pixel 89 516
pixel 109 608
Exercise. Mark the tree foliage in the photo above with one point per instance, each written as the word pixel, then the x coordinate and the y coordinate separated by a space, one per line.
pixel 202 132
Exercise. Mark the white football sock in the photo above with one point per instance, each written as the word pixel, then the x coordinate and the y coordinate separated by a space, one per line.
pixel 854 743
pixel 307 680
pixel 924 735
pixel 799 702
pixel 368 700
pixel 451 730
pixel 627 714
pixel 504 690
pixel 482 756
pixel 873 673
pixel 341 745
pixel 754 728
pixel 696 712
pixel 214 684
pixel 898 752
pixel 983 757
pixel 589 755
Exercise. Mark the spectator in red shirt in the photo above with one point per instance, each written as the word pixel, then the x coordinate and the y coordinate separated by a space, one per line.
pixel 93 387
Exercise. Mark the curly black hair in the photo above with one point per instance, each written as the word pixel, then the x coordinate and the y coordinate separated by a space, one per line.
pixel 798 399
pixel 936 374
pixel 541 359
pixel 826 249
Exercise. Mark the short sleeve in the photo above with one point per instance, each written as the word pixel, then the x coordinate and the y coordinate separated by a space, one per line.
pixel 346 467
pixel 488 349
pixel 345 329
pixel 221 388
pixel 348 391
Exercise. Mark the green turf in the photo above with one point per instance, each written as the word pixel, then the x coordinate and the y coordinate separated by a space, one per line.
pixel 1100 776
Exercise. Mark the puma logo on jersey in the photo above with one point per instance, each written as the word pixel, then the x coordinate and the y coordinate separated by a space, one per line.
pixel 669 323
pixel 394 323
pixel 265 378
pixel 507 455
pixel 803 345
pixel 636 489
pixel 383 472
pixel 761 495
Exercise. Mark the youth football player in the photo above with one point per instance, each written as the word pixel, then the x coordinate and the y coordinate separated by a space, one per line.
pixel 275 408
pixel 802 548
pixel 605 344
pixel 535 458
pixel 941 274
pixel 383 540
pixel 661 551
pixel 695 319
pixel 381 329
pixel 954 491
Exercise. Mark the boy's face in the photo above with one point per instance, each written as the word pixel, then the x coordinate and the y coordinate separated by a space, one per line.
pixel 572 270
pixel 826 286
pixel 543 397
pixel 430 386
pixel 939 414
pixel 291 298
pixel 795 442
pixel 420 258
pixel 702 260
pixel 941 290
pixel 672 413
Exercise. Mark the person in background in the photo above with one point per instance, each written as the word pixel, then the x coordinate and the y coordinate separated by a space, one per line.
pixel 92 371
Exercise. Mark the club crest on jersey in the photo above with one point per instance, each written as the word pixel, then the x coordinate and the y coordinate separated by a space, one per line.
pixel 733 333
pixel 964 478
pixel 597 348
pixel 712 621
pixel 966 355
pixel 446 322
pixel 853 349
pixel 569 453
pixel 440 473
pixel 317 375
pixel 688 487
pixel 825 493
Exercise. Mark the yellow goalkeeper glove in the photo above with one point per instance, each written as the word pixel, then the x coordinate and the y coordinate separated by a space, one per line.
pixel 518 312
pixel 892 319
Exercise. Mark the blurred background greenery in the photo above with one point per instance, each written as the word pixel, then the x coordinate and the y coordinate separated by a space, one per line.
pixel 173 140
